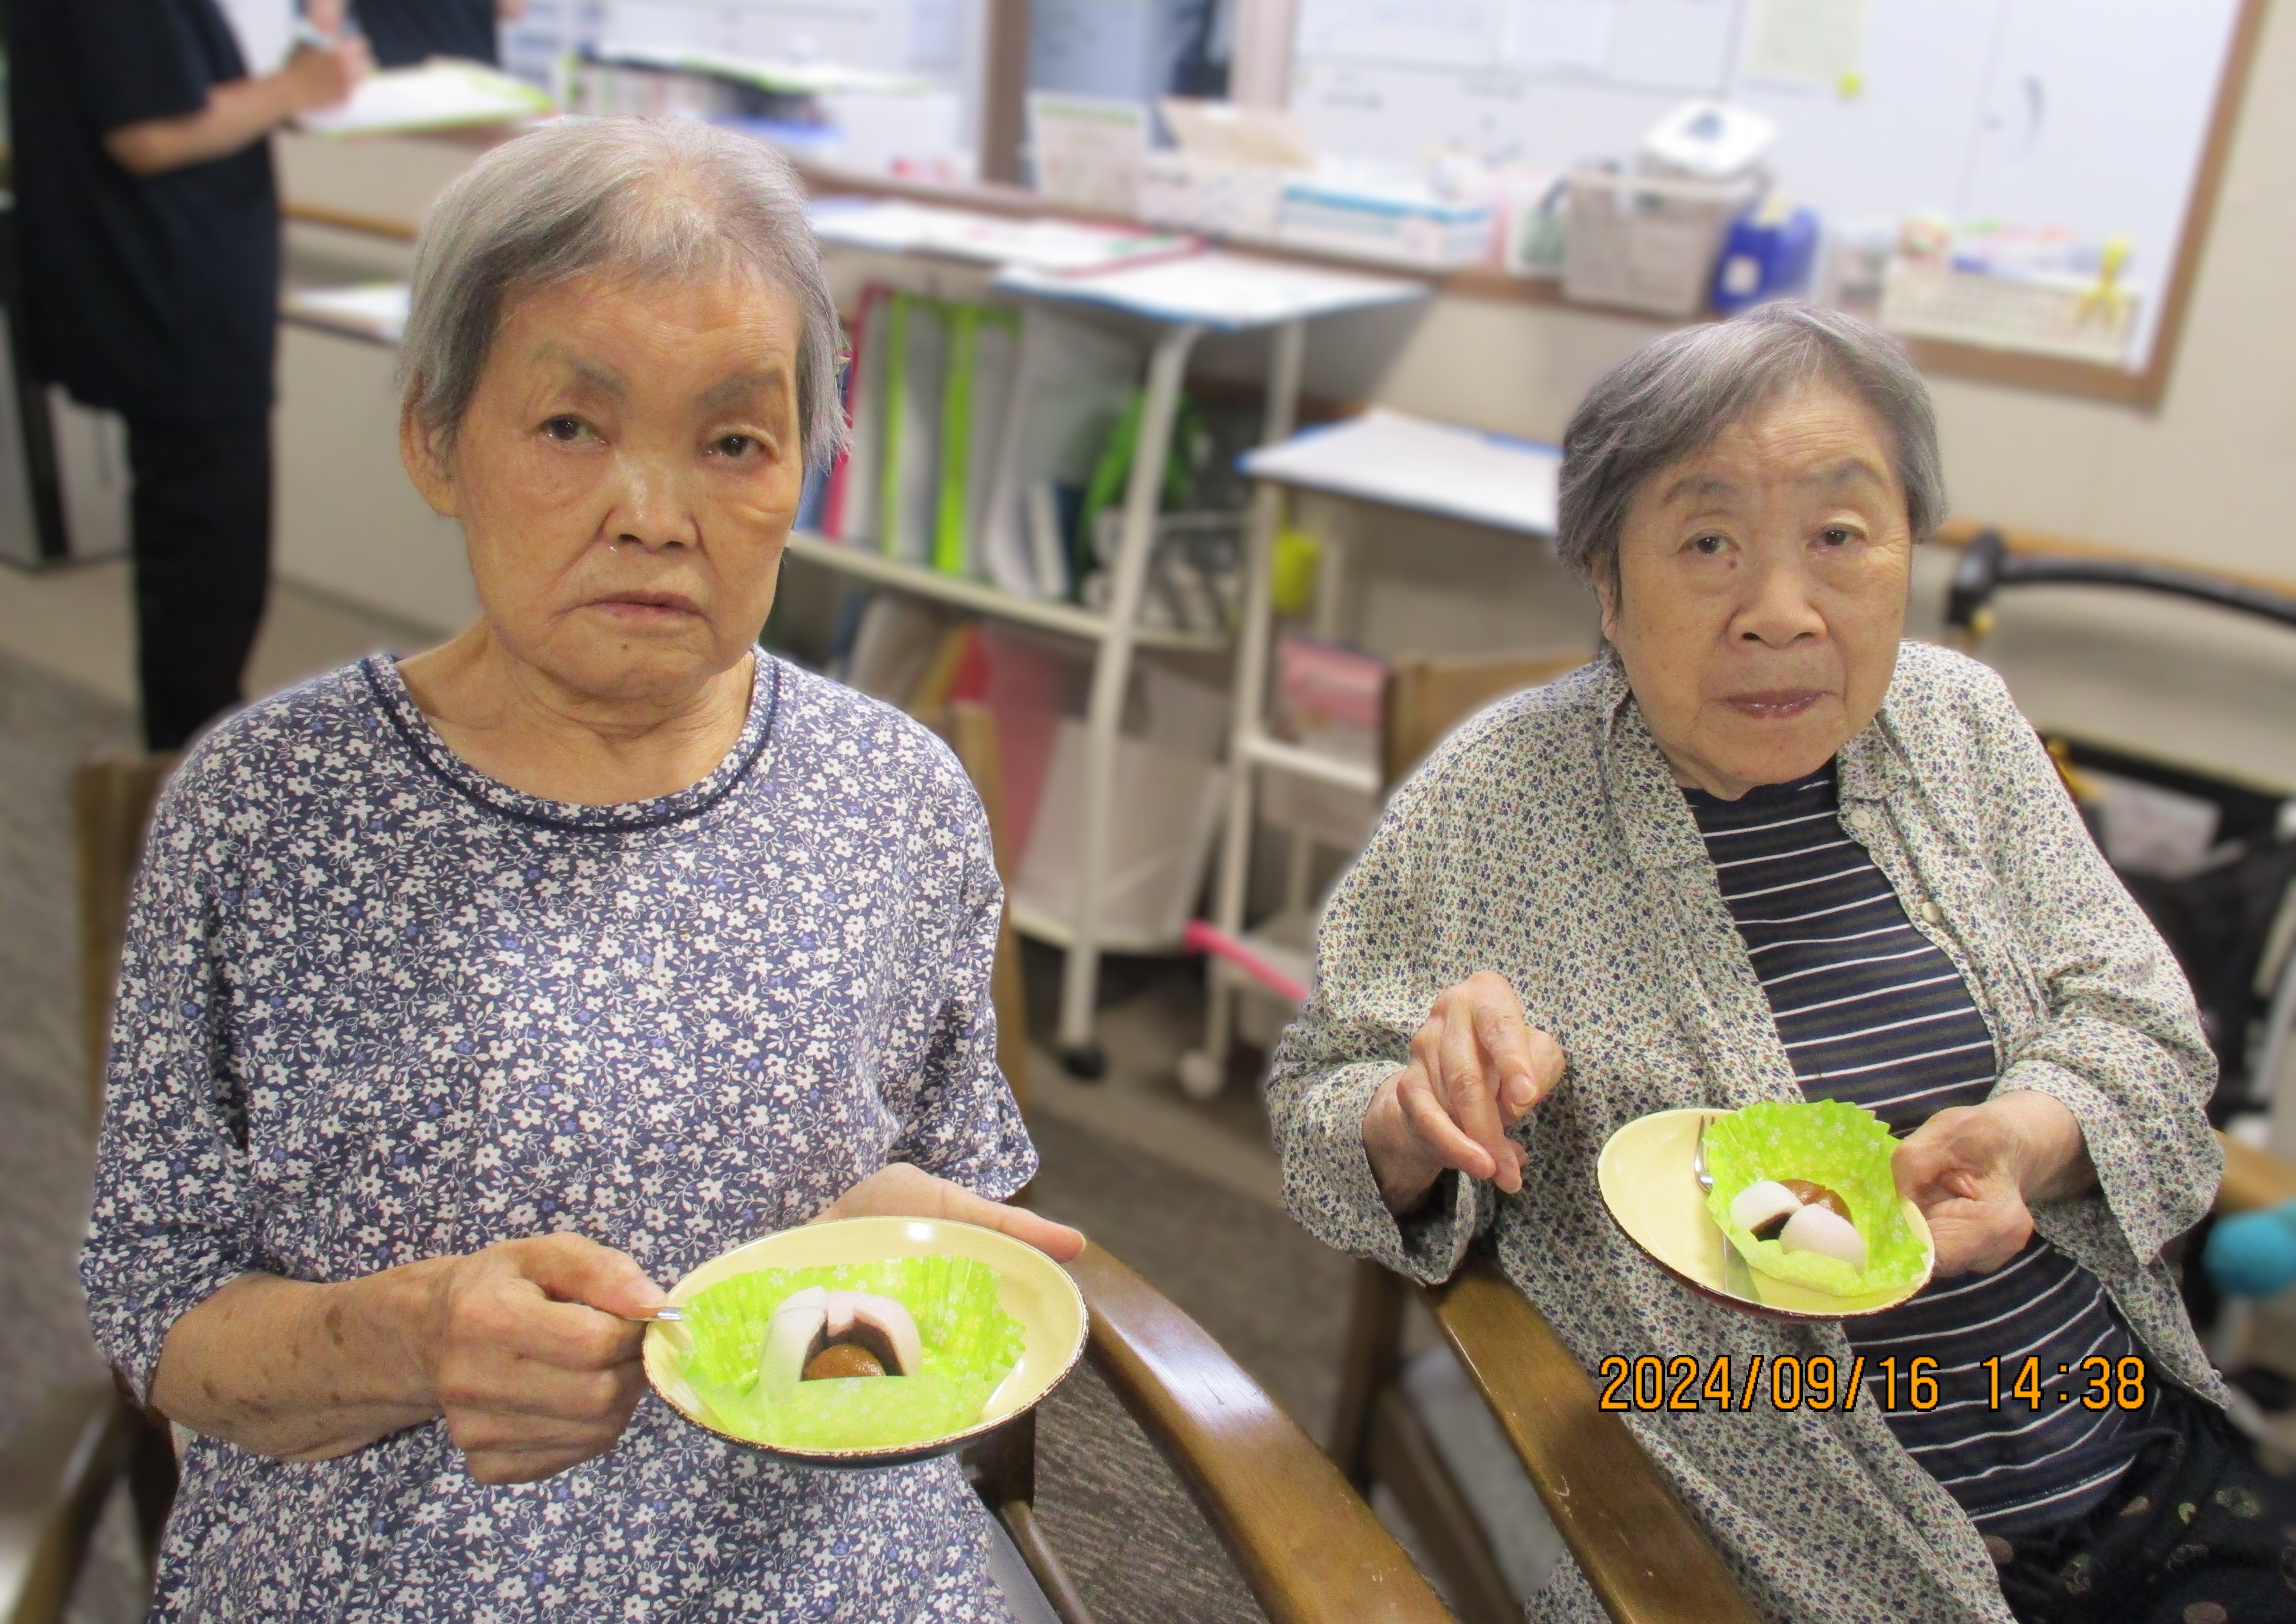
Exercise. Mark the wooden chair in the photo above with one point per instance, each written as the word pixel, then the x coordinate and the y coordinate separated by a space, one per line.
pixel 1647 1561
pixel 1306 1544
pixel 1428 695
pixel 56 1475
pixel 59 1469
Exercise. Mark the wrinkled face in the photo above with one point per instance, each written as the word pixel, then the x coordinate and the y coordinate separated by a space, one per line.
pixel 1761 591
pixel 626 478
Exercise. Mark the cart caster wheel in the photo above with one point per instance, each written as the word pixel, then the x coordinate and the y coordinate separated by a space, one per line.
pixel 1202 1077
pixel 1086 1063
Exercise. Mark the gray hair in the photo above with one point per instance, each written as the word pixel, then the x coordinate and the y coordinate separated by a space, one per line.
pixel 1675 394
pixel 674 199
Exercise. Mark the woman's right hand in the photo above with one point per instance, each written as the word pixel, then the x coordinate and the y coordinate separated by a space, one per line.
pixel 1477 1068
pixel 534 1368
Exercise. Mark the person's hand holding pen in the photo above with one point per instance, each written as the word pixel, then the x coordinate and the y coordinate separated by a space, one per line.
pixel 330 57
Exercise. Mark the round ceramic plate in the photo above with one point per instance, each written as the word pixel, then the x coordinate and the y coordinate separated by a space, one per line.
pixel 1650 1184
pixel 1032 1288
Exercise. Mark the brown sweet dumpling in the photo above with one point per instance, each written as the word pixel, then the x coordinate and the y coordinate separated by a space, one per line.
pixel 840 1359
pixel 1818 1195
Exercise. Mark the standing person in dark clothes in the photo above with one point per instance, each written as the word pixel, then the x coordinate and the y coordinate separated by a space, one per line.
pixel 404 32
pixel 150 231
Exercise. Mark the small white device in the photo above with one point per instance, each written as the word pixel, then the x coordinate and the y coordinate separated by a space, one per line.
pixel 1708 141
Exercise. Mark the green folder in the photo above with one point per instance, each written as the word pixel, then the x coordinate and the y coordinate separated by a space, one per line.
pixel 950 507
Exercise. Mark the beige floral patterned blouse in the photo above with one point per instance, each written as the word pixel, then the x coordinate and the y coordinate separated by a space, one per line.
pixel 1547 841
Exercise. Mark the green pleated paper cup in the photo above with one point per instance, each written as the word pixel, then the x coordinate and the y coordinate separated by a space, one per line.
pixel 1846 1148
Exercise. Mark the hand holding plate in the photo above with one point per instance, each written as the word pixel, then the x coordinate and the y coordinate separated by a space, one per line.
pixel 899 1189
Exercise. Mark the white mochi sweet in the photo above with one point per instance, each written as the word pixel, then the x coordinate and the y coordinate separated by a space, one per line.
pixel 885 1315
pixel 1823 1230
pixel 1758 1203
pixel 797 1319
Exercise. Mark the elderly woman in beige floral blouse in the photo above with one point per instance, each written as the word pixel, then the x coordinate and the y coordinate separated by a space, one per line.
pixel 1763 848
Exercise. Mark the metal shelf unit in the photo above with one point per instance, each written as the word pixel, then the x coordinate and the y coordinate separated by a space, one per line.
pixel 1485 479
pixel 983 599
pixel 1213 291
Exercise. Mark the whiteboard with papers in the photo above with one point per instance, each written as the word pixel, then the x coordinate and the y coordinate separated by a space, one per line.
pixel 2090 115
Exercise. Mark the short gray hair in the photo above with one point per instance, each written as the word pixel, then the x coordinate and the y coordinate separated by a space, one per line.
pixel 1675 394
pixel 674 199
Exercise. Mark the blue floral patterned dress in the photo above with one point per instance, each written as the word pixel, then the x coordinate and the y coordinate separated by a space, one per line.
pixel 377 1007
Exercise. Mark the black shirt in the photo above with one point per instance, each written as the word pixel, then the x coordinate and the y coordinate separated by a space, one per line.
pixel 156 297
pixel 404 32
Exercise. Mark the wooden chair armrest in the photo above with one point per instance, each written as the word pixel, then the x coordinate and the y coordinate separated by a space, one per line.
pixel 1647 1561
pixel 2252 1179
pixel 1306 1543
pixel 53 1478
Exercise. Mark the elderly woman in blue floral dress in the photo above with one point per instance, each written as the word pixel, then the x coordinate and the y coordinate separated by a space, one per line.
pixel 470 998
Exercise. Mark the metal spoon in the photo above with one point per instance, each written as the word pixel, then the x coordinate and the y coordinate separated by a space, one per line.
pixel 673 1320
pixel 1737 1279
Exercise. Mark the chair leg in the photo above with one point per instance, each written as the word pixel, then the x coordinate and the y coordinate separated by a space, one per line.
pixel 1003 1467
pixel 1373 1355
pixel 1020 1521
pixel 1002 1464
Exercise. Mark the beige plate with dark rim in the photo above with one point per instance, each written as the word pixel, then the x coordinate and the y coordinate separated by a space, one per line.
pixel 1030 1287
pixel 1650 1184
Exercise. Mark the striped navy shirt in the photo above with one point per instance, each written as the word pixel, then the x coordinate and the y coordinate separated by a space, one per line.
pixel 1873 1012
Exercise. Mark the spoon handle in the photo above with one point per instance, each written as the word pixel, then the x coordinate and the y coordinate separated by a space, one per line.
pixel 663 1316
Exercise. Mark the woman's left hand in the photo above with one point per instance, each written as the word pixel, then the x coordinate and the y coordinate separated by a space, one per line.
pixel 1971 1171
pixel 899 1189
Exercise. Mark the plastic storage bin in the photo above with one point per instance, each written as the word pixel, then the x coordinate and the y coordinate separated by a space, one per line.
pixel 1644 242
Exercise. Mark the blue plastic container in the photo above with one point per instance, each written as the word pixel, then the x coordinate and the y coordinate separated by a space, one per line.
pixel 1768 254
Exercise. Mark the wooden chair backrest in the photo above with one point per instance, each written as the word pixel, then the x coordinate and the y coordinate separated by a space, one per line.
pixel 1428 696
pixel 972 733
pixel 112 797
